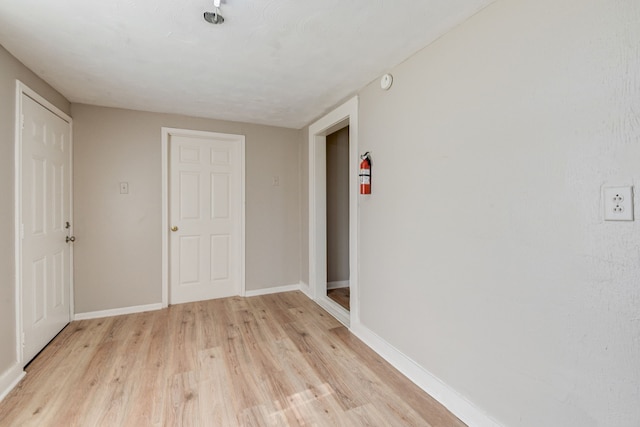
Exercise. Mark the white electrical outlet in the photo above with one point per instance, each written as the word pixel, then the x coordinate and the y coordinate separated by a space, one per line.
pixel 124 188
pixel 618 203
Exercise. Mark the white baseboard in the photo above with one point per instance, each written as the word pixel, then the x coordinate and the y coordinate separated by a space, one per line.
pixel 336 310
pixel 305 289
pixel 9 379
pixel 274 290
pixel 337 285
pixel 448 397
pixel 117 311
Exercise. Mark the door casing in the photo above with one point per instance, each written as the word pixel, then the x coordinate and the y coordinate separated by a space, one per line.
pixel 166 136
pixel 24 90
pixel 346 114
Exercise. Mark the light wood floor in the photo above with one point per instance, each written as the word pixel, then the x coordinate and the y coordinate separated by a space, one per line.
pixel 275 360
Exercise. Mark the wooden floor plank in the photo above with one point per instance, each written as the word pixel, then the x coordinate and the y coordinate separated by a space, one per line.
pixel 217 405
pixel 397 383
pixel 152 380
pixel 273 360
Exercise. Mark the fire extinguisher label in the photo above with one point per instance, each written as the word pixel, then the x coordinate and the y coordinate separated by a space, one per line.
pixel 365 174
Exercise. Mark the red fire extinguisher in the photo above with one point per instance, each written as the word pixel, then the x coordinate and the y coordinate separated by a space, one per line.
pixel 365 174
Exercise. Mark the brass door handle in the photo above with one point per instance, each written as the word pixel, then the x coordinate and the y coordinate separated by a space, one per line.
pixel 174 228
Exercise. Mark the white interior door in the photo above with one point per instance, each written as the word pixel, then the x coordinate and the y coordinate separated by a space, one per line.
pixel 45 211
pixel 205 215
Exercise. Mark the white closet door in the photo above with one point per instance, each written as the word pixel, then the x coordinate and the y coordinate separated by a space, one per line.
pixel 46 207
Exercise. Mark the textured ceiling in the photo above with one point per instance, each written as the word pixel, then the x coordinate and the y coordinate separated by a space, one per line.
pixel 276 62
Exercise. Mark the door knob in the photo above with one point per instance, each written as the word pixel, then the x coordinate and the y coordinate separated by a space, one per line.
pixel 70 239
pixel 174 228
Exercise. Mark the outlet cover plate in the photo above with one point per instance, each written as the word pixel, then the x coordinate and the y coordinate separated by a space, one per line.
pixel 618 203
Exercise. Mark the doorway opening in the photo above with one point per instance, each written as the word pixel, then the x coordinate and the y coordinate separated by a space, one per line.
pixel 337 145
pixel 343 117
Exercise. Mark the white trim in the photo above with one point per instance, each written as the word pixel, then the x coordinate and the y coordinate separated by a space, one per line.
pixel 166 133
pixel 10 379
pixel 18 220
pixel 243 216
pixel 334 309
pixel 72 306
pixel 118 311
pixel 317 215
pixel 462 408
pixel 306 289
pixel 165 217
pixel 338 284
pixel 345 114
pixel 274 290
pixel 23 89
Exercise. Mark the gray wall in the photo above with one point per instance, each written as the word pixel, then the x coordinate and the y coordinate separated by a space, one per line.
pixel 10 70
pixel 484 255
pixel 338 206
pixel 118 247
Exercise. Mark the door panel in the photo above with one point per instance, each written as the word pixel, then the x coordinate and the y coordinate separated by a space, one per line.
pixel 46 207
pixel 189 195
pixel 219 196
pixel 205 204
pixel 189 260
pixel 220 257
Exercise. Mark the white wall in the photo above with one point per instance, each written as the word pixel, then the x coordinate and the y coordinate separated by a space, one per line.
pixel 118 247
pixel 484 255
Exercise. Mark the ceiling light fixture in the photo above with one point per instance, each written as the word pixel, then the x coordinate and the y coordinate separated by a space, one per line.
pixel 214 17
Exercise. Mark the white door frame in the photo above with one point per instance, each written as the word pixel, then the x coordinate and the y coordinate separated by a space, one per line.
pixel 22 89
pixel 166 134
pixel 346 114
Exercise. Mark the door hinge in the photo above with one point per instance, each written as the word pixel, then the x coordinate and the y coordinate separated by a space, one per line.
pixel 22 122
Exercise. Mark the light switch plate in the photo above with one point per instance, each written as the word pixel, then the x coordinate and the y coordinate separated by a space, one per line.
pixel 618 203
pixel 124 188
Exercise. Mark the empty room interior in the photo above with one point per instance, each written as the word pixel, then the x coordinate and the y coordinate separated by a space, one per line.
pixel 279 213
